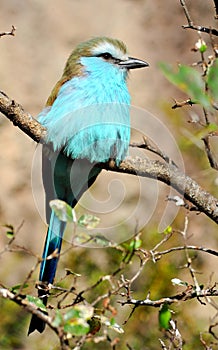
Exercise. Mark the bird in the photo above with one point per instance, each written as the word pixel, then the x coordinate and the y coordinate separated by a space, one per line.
pixel 87 118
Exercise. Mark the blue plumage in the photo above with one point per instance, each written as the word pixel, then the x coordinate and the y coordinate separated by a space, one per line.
pixel 88 123
pixel 87 120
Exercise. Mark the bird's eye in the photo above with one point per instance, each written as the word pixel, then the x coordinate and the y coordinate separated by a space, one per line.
pixel 106 55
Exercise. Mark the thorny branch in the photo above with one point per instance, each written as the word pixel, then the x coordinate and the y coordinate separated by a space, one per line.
pixel 189 293
pixel 201 293
pixel 119 286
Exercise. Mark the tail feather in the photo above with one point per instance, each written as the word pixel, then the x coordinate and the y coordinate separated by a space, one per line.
pixel 52 244
pixel 48 266
pixel 36 323
pixel 70 179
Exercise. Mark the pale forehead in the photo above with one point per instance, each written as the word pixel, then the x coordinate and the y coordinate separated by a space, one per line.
pixel 105 46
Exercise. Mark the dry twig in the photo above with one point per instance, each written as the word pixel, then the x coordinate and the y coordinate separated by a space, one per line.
pixel 11 32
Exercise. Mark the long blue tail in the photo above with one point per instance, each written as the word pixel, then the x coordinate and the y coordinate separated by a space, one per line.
pixel 48 266
pixel 67 181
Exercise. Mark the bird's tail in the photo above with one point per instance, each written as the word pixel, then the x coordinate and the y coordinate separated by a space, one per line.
pixel 49 264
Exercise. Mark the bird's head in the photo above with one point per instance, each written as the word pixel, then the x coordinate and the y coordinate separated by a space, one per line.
pixel 104 49
pixel 96 55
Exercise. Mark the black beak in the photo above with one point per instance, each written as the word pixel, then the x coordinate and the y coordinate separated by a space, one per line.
pixel 133 63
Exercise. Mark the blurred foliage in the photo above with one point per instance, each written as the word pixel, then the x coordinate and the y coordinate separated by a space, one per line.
pixel 12 325
pixel 188 80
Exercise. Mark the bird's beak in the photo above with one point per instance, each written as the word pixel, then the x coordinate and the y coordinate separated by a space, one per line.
pixel 132 63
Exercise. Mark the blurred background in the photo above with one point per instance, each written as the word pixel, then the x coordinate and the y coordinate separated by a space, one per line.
pixel 31 63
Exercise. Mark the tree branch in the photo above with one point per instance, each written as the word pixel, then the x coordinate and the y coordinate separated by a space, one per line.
pixel 191 25
pixel 15 113
pixel 210 156
pixel 21 300
pixel 216 8
pixel 188 294
pixel 154 169
pixel 12 32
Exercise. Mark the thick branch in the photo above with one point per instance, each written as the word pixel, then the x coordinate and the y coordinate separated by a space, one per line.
pixel 172 176
pixel 15 113
pixel 155 169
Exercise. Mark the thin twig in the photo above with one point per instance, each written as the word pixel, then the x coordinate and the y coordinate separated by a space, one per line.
pixel 189 247
pixel 188 259
pixel 188 17
pixel 202 29
pixel 187 102
pixel 216 8
pixel 210 156
pixel 191 25
pixel 11 32
pixel 188 294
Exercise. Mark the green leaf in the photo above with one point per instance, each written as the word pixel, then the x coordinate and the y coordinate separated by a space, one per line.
pixel 76 319
pixel 10 230
pixel 82 238
pixel 88 221
pixel 58 320
pixel 135 243
pixel 101 240
pixel 168 230
pixel 212 80
pixel 37 301
pixel 212 127
pixel 62 210
pixel 72 313
pixel 17 287
pixel 164 317
pixel 188 80
pixel 203 48
pixel 79 311
pixel 98 239
pixel 77 327
pixel 112 324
